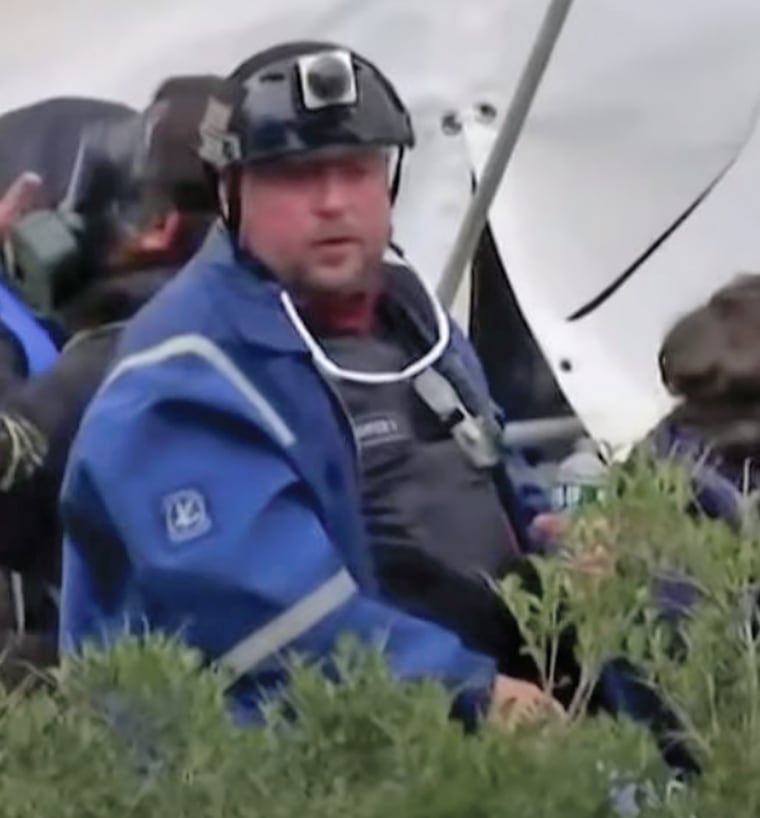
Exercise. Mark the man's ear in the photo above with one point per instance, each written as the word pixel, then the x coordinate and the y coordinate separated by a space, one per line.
pixel 161 235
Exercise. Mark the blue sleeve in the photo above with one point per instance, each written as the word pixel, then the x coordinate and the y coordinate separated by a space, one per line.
pixel 533 492
pixel 717 490
pixel 219 541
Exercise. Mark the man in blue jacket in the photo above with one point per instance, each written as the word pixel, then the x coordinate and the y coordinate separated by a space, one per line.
pixel 214 488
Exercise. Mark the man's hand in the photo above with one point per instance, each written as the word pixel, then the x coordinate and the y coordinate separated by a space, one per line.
pixel 516 702
pixel 23 196
pixel 597 559
pixel 549 526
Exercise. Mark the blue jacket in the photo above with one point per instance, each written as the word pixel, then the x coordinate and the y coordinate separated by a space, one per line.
pixel 719 487
pixel 212 492
pixel 39 349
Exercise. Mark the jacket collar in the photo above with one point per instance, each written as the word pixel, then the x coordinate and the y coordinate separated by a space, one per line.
pixel 248 295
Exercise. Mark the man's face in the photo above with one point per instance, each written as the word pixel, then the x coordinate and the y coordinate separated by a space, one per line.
pixel 320 222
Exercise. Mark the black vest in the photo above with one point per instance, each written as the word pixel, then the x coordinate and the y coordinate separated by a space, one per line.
pixel 420 490
pixel 437 525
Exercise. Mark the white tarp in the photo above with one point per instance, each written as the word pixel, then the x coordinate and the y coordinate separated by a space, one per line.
pixel 644 105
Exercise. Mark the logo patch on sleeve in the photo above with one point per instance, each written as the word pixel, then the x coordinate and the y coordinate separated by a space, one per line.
pixel 186 515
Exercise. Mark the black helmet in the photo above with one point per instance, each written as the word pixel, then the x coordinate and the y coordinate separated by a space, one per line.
pixel 301 97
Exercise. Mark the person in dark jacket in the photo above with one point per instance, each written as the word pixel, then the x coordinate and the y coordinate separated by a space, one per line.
pixel 710 363
pixel 38 149
pixel 163 210
pixel 43 139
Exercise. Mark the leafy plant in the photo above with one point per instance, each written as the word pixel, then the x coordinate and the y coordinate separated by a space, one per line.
pixel 674 594
pixel 144 731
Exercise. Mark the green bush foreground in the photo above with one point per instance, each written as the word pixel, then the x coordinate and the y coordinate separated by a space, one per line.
pixel 143 731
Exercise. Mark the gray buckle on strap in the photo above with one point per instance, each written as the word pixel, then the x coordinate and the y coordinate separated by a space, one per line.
pixel 470 432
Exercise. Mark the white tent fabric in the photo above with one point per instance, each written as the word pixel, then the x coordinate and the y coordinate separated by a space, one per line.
pixel 644 106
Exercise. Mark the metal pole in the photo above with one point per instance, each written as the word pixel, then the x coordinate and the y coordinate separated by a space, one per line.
pixel 544 430
pixel 477 212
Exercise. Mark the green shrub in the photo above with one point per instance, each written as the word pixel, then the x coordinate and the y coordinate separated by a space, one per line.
pixel 142 731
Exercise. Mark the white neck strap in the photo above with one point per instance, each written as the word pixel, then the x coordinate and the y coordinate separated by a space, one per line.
pixel 332 370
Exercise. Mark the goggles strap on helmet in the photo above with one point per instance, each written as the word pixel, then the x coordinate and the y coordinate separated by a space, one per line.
pixel 396 179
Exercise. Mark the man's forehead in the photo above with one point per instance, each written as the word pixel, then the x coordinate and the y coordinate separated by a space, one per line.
pixel 333 153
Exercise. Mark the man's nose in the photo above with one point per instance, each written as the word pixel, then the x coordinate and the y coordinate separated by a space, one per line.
pixel 332 191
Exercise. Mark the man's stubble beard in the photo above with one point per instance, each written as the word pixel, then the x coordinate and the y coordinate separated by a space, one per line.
pixel 366 277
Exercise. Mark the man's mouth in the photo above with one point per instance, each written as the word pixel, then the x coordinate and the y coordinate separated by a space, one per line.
pixel 336 247
pixel 335 241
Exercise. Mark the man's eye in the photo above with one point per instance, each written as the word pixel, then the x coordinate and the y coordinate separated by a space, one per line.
pixel 358 167
pixel 297 172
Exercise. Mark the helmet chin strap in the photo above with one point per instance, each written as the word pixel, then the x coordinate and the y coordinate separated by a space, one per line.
pixel 333 370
